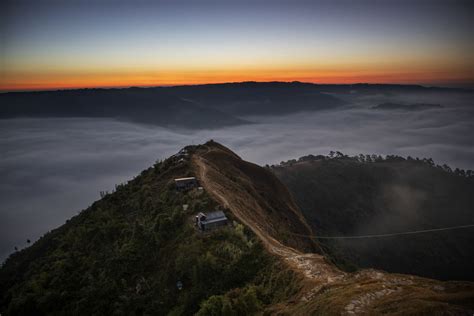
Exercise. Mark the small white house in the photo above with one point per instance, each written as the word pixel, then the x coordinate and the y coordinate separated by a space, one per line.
pixel 211 221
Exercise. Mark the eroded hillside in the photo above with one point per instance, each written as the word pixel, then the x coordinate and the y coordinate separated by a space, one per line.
pixel 325 289
pixel 257 197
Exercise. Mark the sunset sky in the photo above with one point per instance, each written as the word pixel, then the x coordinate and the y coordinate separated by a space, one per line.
pixel 46 44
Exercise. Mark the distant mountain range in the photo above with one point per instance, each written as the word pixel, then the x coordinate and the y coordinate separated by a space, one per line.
pixel 149 106
pixel 253 98
pixel 201 106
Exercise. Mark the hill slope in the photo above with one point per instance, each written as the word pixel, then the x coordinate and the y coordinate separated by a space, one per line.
pixel 326 290
pixel 346 196
pixel 127 253
pixel 260 197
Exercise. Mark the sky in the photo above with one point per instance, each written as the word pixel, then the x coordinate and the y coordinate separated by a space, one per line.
pixel 49 44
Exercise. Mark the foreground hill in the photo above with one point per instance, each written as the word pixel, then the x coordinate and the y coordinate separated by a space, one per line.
pixel 125 254
pixel 257 198
pixel 343 196
pixel 132 251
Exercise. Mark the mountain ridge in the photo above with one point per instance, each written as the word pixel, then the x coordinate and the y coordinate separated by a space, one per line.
pixel 195 106
pixel 320 274
pixel 125 254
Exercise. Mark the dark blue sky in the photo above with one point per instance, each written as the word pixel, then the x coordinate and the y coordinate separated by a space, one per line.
pixel 100 43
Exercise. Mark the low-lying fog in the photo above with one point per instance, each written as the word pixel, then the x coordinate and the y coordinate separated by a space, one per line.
pixel 53 168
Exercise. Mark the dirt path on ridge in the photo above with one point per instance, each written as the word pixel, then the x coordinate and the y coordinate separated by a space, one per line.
pixel 366 292
pixel 312 266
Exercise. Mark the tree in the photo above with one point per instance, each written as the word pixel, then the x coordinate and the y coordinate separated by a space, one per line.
pixel 447 168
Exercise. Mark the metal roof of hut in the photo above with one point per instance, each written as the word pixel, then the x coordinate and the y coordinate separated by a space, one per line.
pixel 213 217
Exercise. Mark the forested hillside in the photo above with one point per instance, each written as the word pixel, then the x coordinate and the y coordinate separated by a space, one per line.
pixel 126 253
pixel 136 251
pixel 364 195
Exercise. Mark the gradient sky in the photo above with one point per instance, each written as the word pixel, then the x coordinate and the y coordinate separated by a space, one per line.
pixel 47 44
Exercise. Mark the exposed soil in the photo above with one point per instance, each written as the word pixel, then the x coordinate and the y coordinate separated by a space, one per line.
pixel 257 199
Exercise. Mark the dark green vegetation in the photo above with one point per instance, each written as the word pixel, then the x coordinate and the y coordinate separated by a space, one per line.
pixel 125 254
pixel 363 195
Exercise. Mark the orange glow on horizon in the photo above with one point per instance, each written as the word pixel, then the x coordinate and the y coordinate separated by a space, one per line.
pixel 26 82
pixel 46 46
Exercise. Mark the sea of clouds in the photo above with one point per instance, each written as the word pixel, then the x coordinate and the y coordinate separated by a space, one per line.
pixel 51 169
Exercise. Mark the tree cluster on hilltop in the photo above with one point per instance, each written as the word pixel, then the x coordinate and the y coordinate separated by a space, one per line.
pixel 366 158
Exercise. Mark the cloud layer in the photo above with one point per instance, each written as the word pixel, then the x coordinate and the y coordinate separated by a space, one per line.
pixel 53 168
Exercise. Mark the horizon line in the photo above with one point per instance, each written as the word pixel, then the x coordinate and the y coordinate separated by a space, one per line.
pixel 106 87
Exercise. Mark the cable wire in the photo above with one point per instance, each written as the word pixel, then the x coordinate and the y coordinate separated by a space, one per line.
pixel 390 234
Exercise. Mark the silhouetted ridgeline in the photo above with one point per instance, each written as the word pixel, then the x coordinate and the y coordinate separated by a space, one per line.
pixel 200 106
pixel 252 98
pixel 151 106
pixel 369 194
